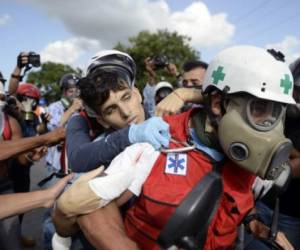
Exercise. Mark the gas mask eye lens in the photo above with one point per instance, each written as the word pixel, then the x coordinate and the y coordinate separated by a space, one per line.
pixel 263 115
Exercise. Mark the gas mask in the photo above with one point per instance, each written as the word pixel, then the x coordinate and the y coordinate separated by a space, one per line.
pixel 251 134
pixel 66 102
pixel 28 106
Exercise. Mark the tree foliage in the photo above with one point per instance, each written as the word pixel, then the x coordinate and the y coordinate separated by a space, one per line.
pixel 146 44
pixel 48 76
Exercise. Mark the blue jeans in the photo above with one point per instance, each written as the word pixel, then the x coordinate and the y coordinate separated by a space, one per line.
pixel 290 226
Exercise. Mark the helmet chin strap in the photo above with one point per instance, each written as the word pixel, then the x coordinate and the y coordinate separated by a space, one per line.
pixel 215 119
pixel 205 129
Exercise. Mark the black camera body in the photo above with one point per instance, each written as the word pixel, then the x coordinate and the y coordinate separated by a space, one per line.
pixel 160 61
pixel 34 59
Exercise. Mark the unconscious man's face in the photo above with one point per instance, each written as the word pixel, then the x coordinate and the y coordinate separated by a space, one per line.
pixel 121 109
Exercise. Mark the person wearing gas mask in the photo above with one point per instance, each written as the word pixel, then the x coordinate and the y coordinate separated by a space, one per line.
pixel 240 133
pixel 289 209
pixel 60 113
pixel 14 173
pixel 27 98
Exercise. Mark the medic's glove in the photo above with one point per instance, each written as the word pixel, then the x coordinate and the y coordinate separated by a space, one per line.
pixel 154 131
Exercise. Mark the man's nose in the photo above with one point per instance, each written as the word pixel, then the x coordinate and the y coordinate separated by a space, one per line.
pixel 125 111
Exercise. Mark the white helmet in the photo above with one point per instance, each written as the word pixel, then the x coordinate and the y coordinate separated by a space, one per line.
pixel 161 85
pixel 113 59
pixel 250 70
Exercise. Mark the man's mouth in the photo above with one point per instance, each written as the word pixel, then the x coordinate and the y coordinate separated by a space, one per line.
pixel 132 120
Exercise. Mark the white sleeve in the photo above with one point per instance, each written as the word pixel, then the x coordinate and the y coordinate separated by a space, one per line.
pixel 120 174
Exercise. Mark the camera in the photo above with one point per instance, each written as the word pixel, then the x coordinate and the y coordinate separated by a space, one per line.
pixel 160 61
pixel 33 59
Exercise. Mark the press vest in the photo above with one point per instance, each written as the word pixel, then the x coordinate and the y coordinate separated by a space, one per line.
pixel 163 192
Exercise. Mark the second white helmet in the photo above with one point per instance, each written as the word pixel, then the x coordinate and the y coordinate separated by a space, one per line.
pixel 250 70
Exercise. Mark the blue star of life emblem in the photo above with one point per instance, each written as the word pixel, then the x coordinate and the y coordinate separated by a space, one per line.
pixel 176 164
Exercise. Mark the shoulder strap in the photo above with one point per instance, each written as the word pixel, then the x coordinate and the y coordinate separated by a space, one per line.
pixel 7 133
pixel 85 116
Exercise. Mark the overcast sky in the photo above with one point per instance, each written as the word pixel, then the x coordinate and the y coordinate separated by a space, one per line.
pixel 70 31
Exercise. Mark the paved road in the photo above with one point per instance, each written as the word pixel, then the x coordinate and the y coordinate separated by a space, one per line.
pixel 32 224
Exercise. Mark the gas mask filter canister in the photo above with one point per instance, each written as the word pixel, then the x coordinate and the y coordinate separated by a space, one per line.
pixel 28 105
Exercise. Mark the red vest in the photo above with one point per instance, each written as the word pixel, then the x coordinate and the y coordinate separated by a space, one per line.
pixel 162 193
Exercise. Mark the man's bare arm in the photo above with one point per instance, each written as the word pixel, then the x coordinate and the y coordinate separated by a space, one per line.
pixel 11 148
pixel 18 203
pixel 104 229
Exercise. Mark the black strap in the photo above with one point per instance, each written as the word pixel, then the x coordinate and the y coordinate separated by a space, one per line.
pixel 48 178
pixel 27 68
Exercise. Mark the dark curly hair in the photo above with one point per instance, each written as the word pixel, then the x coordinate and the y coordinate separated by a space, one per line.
pixel 190 65
pixel 95 88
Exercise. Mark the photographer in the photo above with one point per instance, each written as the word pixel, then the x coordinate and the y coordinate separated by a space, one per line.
pixel 153 64
pixel 25 60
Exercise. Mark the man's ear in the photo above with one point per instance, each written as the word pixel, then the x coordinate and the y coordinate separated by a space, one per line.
pixel 138 94
pixel 102 122
pixel 215 103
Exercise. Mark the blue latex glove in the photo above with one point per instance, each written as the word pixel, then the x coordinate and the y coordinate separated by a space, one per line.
pixel 154 131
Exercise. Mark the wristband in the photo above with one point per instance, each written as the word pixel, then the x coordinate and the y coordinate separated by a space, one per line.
pixel 249 218
pixel 16 76
pixel 178 96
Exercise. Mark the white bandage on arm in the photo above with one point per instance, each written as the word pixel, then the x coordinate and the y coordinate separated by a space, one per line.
pixel 120 174
pixel 112 186
pixel 143 167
